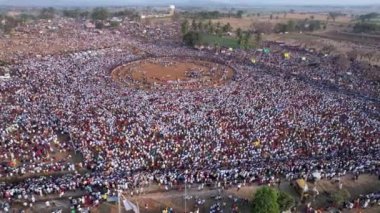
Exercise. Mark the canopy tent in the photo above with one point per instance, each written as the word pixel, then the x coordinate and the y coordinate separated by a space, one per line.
pixel 286 55
pixel 301 183
pixel 317 175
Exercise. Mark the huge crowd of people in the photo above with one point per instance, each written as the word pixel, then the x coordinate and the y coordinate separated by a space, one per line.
pixel 276 117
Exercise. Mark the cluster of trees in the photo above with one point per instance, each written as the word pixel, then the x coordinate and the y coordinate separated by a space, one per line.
pixel 8 23
pixel 47 13
pixel 340 196
pixel 335 15
pixel 76 13
pixel 208 27
pixel 269 200
pixel 244 37
pixel 212 14
pixel 305 25
pixel 192 32
pixel 100 13
pixel 368 17
pixel 364 27
pixel 191 38
pixel 131 14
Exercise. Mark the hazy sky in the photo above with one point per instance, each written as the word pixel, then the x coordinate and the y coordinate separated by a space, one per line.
pixel 303 2
pixel 184 2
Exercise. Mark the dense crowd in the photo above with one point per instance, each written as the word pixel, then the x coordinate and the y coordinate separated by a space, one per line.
pixel 365 201
pixel 260 125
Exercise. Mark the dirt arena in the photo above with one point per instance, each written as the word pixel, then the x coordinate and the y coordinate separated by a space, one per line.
pixel 180 73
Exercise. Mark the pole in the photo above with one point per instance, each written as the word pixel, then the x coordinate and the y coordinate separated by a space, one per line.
pixel 185 196
pixel 119 198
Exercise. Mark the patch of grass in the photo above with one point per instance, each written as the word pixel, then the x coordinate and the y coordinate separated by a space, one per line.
pixel 374 21
pixel 220 41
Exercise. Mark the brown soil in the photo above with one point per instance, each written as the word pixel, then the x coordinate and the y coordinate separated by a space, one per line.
pixel 172 73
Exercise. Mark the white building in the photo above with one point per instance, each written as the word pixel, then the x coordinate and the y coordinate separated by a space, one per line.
pixel 164 15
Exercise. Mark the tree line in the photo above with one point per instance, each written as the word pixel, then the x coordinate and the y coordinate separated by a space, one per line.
pixel 365 24
pixel 304 25
pixel 192 32
pixel 212 14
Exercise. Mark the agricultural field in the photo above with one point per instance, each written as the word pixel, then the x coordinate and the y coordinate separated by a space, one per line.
pixel 221 41
pixel 246 22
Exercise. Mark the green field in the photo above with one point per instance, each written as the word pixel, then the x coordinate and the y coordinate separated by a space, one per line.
pixel 220 41
pixel 375 21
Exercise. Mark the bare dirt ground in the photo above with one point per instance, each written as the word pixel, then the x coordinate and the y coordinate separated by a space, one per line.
pixel 157 201
pixel 342 44
pixel 165 71
pixel 246 22
pixel 159 198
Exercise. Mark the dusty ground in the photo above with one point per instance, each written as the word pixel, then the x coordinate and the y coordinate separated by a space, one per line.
pixel 155 202
pixel 160 199
pixel 342 43
pixel 246 22
pixel 172 71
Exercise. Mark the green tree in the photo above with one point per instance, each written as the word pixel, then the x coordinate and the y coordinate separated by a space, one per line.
pixel 314 25
pixel 47 13
pixel 291 26
pixel 200 26
pixel 9 23
pixel 99 13
pixel 185 27
pixel 247 36
pixel 366 27
pixel 265 201
pixel 239 14
pixel 258 39
pixel 194 25
pixel 71 13
pixel 99 25
pixel 84 14
pixel 227 28
pixel 334 15
pixel 238 32
pixel 285 201
pixel 114 24
pixel 209 24
pixel 211 30
pixel 191 38
pixel 339 197
pixel 218 24
pixel 281 28
pixel 368 16
pixel 24 17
